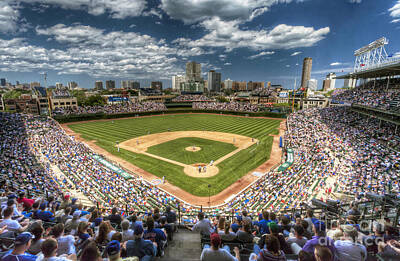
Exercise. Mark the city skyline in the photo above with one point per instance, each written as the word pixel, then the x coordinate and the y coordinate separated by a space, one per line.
pixel 152 40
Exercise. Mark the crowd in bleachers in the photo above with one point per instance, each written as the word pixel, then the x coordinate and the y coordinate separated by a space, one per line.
pixel 226 106
pixel 377 94
pixel 129 107
pixel 192 98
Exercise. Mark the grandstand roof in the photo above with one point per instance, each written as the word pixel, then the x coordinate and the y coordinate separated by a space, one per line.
pixel 382 71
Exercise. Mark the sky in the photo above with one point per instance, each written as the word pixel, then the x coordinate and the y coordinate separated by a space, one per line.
pixel 149 40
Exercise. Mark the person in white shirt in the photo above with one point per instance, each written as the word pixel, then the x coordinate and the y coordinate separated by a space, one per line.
pixel 203 225
pixel 127 234
pixel 215 253
pixel 49 252
pixel 12 225
pixel 347 247
pixel 66 244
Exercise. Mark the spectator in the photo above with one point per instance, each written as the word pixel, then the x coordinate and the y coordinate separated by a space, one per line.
pixel 36 244
pixel 66 244
pixel 155 235
pixel 12 225
pixel 322 253
pixel 203 225
pixel 127 233
pixel 348 248
pixel 272 252
pixel 139 247
pixel 215 253
pixel 114 218
pixel 319 237
pixel 21 245
pixel 49 251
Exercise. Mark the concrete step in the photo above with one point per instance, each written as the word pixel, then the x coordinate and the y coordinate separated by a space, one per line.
pixel 184 247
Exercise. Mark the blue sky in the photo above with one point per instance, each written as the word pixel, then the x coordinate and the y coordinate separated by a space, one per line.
pixel 145 40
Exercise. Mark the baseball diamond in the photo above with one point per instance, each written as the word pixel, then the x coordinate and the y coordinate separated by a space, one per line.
pixel 231 147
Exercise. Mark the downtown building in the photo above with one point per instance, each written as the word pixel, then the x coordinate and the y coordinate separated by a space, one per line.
pixel 214 81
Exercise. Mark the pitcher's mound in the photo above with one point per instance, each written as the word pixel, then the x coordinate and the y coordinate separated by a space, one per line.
pixel 206 170
pixel 193 148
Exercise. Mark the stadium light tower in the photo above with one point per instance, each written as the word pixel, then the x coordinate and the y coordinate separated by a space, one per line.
pixel 371 55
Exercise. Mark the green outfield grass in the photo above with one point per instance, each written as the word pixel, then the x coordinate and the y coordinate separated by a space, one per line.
pixel 176 150
pixel 107 133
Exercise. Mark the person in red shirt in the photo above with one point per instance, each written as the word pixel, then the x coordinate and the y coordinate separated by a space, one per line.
pixel 26 201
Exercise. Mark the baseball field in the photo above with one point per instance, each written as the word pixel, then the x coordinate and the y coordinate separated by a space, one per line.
pixel 192 151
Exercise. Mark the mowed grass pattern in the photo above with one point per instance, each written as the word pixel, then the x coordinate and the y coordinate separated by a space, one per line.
pixel 107 133
pixel 176 150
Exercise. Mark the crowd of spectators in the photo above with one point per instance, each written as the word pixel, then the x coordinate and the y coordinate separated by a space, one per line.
pixel 127 107
pixel 376 94
pixel 226 106
pixel 192 98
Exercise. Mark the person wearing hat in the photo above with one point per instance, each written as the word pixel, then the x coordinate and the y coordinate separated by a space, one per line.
pixel 21 245
pixel 319 238
pixel 71 225
pixel 66 202
pixel 113 250
pixel 145 250
pixel 347 247
pixel 25 201
pixel 215 253
pixel 49 252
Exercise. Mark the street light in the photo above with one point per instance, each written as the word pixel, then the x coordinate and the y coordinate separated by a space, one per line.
pixel 209 201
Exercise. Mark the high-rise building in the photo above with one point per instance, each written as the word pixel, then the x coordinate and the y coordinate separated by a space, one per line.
pixel 268 85
pixel 312 84
pixel 177 80
pixel 193 72
pixel 255 85
pixel 72 85
pixel 214 81
pixel 239 86
pixel 326 85
pixel 110 84
pixel 129 84
pixel 59 85
pixel 306 74
pixel 98 85
pixel 349 83
pixel 228 84
pixel 156 85
pixel 332 78
pixel 3 82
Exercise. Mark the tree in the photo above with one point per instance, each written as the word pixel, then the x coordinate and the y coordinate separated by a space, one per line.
pixel 222 99
pixel 94 100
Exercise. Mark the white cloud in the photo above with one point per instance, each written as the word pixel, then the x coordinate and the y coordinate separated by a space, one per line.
pixel 395 21
pixel 295 53
pixel 228 35
pixel 336 64
pixel 192 11
pixel 222 57
pixel 260 55
pixel 153 12
pixel 8 17
pixel 355 1
pixel 227 63
pixel 88 50
pixel 395 10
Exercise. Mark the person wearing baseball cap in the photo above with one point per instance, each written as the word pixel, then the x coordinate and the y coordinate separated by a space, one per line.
pixel 21 245
pixel 139 247
pixel 215 253
pixel 49 252
pixel 319 238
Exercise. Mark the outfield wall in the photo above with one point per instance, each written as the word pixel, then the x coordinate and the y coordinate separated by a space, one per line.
pixel 100 116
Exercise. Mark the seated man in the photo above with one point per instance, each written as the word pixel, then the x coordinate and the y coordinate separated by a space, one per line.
pixel 113 250
pixel 44 214
pixel 203 225
pixel 114 218
pixel 319 237
pixel 21 245
pixel 49 252
pixel 215 253
pixel 322 253
pixel 144 249
pixel 155 235
pixel 348 248
pixel 298 241
pixel 13 225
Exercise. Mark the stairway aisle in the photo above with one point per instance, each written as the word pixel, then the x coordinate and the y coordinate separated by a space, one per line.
pixel 184 247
